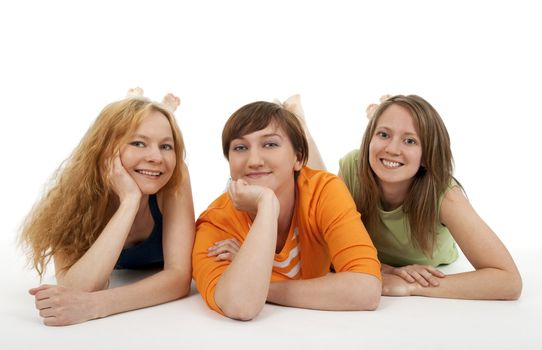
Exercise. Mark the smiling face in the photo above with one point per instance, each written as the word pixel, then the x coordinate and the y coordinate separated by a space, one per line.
pixel 149 155
pixel 266 158
pixel 395 150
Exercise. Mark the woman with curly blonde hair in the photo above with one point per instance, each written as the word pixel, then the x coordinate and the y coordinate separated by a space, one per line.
pixel 121 200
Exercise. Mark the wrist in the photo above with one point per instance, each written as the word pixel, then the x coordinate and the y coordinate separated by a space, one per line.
pixel 131 200
pixel 97 308
pixel 268 200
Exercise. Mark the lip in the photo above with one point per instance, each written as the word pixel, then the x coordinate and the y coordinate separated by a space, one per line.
pixel 257 174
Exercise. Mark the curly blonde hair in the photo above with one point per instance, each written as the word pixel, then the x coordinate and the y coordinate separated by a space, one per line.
pixel 68 219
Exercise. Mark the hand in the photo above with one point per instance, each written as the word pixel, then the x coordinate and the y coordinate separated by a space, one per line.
pixel 246 197
pixel 61 306
pixel 122 183
pixel 224 250
pixel 395 286
pixel 425 275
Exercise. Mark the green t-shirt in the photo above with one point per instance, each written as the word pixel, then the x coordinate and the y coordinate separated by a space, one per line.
pixel 392 239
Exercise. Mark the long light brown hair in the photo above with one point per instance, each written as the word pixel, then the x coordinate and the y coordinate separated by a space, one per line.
pixel 68 219
pixel 430 182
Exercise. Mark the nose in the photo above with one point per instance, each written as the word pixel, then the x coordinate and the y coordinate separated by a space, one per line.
pixel 154 155
pixel 255 159
pixel 394 146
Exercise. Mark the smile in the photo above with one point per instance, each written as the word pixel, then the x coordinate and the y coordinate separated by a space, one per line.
pixel 391 164
pixel 149 173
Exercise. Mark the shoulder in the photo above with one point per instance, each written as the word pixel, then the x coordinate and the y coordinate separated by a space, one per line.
pixel 320 187
pixel 312 179
pixel 453 192
pixel 219 207
pixel 350 159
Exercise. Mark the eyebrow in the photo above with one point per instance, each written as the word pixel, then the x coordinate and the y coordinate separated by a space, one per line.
pixel 262 136
pixel 406 133
pixel 165 139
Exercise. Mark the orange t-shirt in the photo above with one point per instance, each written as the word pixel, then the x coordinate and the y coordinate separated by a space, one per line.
pixel 326 229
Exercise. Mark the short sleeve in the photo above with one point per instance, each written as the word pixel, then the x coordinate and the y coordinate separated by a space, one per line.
pixel 349 244
pixel 348 166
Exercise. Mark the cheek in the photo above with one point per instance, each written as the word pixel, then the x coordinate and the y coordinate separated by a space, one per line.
pixel 172 160
pixel 234 164
pixel 125 156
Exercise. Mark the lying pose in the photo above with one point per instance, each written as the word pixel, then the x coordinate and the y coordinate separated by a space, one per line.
pixel 289 223
pixel 122 200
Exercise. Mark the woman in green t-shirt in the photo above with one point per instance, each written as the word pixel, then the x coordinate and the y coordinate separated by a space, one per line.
pixel 415 211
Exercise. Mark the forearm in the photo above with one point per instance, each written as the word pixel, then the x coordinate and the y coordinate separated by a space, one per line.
pixel 242 289
pixel 166 285
pixel 335 291
pixel 483 284
pixel 91 272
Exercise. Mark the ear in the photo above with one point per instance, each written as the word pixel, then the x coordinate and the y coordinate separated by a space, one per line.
pixel 298 163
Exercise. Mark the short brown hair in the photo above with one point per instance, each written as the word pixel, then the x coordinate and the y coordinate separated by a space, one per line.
pixel 258 115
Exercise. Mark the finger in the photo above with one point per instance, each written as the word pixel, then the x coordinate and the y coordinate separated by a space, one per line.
pixel 435 272
pixel 230 242
pixel 46 293
pixel 33 291
pixel 223 249
pixel 224 257
pixel 51 321
pixel 419 278
pixel 433 280
pixel 47 312
pixel 404 275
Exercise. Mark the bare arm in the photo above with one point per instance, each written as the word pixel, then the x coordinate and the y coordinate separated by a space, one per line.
pixel 91 272
pixel 335 291
pixel 63 306
pixel 242 289
pixel 496 276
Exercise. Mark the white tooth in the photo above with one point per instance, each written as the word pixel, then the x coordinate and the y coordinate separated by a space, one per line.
pixel 390 164
pixel 151 173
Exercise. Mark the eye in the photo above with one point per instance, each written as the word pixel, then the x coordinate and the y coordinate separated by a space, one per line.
pixel 239 148
pixel 411 141
pixel 137 143
pixel 270 145
pixel 166 147
pixel 382 134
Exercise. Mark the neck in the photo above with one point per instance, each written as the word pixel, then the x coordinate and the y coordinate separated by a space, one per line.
pixel 286 199
pixel 393 195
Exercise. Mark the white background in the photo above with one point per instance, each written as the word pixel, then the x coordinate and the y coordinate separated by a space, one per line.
pixel 477 62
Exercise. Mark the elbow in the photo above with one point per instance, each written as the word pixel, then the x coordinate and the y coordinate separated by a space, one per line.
pixel 182 283
pixel 515 286
pixel 371 300
pixel 366 294
pixel 241 311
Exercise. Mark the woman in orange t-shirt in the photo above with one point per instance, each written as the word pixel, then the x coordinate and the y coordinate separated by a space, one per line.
pixel 290 223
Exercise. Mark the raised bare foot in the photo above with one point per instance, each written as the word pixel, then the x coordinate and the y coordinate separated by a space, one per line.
pixel 135 92
pixel 171 102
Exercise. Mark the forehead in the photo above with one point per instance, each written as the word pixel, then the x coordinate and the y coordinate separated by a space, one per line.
pixel 155 123
pixel 273 128
pixel 397 118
